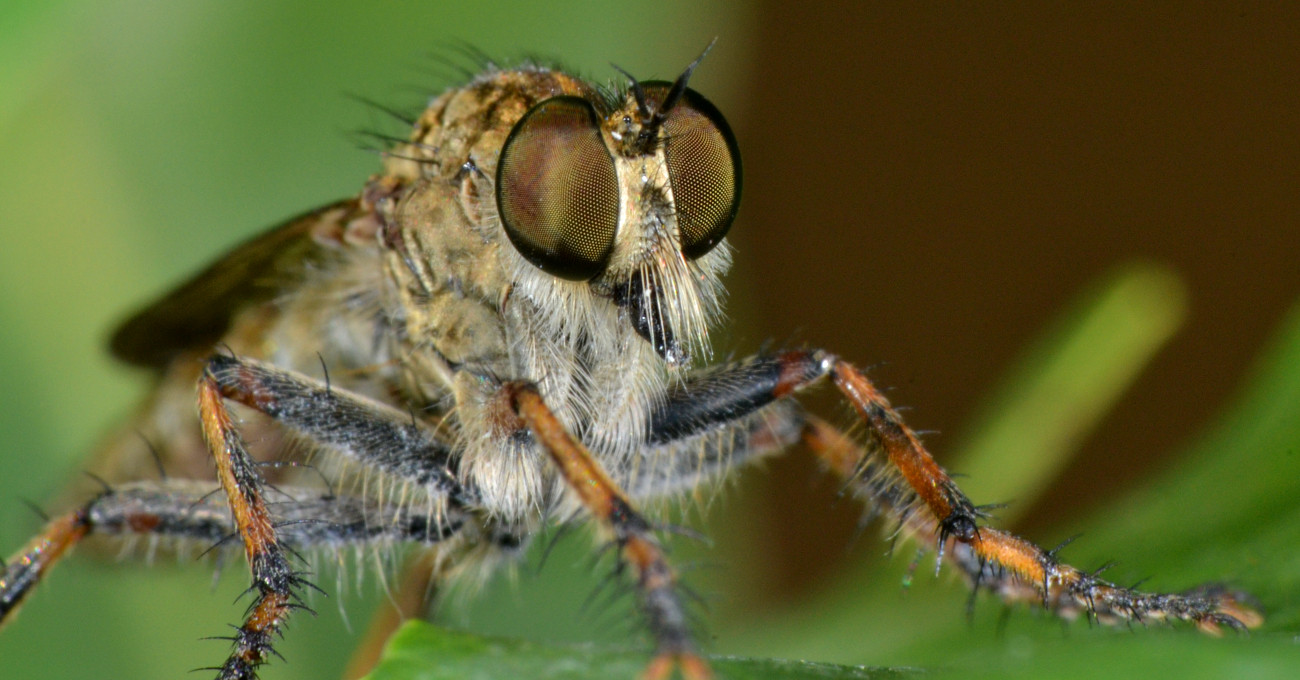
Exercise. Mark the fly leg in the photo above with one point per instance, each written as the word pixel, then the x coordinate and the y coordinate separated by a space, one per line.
pixel 895 475
pixel 187 514
pixel 1013 568
pixel 637 546
pixel 411 599
pixel 20 575
pixel 350 425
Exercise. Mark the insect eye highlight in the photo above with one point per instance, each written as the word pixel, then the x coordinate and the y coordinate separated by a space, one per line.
pixel 704 166
pixel 557 189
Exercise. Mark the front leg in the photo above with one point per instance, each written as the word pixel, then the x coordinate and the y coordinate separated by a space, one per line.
pixel 955 514
pixel 1015 569
pixel 638 548
pixel 351 426
pixel 723 396
pixel 910 487
pixel 275 582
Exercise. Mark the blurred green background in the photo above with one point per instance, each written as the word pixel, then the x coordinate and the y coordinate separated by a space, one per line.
pixel 961 194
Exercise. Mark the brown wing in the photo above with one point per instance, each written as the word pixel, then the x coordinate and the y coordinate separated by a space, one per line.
pixel 199 312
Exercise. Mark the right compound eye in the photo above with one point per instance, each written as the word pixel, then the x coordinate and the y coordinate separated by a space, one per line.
pixel 557 189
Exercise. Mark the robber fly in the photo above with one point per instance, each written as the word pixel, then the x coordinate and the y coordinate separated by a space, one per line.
pixel 509 323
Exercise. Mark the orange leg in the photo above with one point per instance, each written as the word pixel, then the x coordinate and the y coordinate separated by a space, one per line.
pixel 1015 569
pixel 410 600
pixel 638 548
pixel 189 515
pixel 956 514
pixel 897 476
pixel 275 583
pixel 21 574
pixel 349 424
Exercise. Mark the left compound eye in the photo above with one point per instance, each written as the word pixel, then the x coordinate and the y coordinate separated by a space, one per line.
pixel 704 166
pixel 557 189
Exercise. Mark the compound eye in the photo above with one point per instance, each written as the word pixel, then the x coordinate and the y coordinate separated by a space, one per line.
pixel 557 190
pixel 704 166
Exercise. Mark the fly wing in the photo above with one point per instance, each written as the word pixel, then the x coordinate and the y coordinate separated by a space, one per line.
pixel 199 312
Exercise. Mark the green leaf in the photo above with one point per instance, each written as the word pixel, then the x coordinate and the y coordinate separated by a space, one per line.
pixel 420 651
